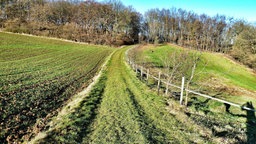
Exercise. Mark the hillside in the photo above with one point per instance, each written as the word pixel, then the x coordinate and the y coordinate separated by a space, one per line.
pixel 40 78
pixel 180 72
pixel 37 76
pixel 215 73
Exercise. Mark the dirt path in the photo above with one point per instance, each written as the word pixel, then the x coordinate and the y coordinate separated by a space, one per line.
pixel 120 109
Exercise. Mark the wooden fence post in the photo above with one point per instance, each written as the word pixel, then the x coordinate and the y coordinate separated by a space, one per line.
pixel 167 86
pixel 158 84
pixel 182 89
pixel 141 72
pixel 147 75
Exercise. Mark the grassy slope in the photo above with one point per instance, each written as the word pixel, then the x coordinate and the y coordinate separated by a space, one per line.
pixel 126 112
pixel 217 67
pixel 37 75
pixel 211 116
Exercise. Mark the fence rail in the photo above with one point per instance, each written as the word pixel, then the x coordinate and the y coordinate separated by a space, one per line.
pixel 145 73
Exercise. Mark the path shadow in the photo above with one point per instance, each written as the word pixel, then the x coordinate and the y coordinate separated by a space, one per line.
pixel 250 124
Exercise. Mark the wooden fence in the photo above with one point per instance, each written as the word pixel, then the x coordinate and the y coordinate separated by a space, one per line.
pixel 145 73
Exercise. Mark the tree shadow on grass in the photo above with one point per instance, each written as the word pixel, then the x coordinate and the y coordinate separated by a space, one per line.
pixel 250 121
pixel 250 124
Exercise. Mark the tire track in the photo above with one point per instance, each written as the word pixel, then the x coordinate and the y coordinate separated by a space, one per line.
pixel 149 130
pixel 116 121
pixel 148 127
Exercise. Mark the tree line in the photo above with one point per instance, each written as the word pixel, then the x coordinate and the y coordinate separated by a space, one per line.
pixel 217 34
pixel 112 23
pixel 109 23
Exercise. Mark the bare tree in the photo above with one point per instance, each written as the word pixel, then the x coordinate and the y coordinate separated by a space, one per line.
pixel 172 63
pixel 181 63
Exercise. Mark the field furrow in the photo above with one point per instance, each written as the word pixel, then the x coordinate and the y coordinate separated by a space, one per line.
pixel 75 126
pixel 37 77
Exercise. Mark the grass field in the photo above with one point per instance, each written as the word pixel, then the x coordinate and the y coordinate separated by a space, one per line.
pixel 121 109
pixel 220 74
pixel 37 76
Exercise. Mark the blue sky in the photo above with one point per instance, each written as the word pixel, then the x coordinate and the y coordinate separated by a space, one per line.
pixel 240 9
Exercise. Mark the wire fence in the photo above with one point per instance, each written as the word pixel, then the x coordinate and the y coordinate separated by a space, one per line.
pixel 145 73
